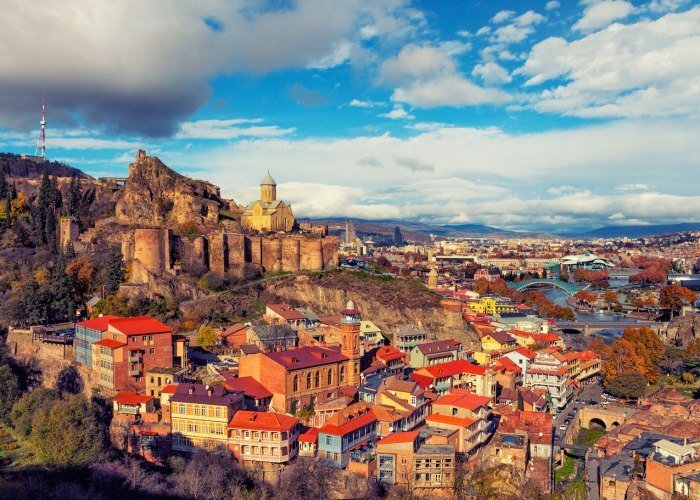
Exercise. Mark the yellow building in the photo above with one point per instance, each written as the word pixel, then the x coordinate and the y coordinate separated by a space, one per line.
pixel 200 415
pixel 491 305
pixel 268 213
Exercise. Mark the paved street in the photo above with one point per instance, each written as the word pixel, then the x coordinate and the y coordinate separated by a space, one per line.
pixel 592 463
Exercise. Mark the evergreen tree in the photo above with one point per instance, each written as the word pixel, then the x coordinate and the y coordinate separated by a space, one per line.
pixel 61 289
pixel 43 206
pixel 8 213
pixel 521 403
pixel 4 187
pixel 114 271
pixel 74 196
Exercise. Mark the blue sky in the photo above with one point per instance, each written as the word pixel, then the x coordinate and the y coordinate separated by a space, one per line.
pixel 522 114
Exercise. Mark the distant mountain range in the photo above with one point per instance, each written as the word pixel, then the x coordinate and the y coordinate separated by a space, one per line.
pixel 638 231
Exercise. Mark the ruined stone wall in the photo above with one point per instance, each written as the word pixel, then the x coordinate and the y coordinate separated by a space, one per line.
pixel 311 255
pixel 330 245
pixel 272 255
pixel 151 253
pixel 291 255
pixel 192 254
pixel 218 256
pixel 236 256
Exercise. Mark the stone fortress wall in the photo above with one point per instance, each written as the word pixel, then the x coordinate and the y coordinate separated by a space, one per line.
pixel 229 255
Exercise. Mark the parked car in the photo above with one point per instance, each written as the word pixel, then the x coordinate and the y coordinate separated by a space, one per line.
pixel 562 427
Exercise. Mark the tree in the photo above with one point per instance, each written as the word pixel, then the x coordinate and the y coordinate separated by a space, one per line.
pixel 688 378
pixel 619 358
pixel 610 297
pixel 207 337
pixel 307 478
pixel 114 305
pixel 210 474
pixel 69 381
pixel 81 272
pixel 68 433
pixel 630 385
pixel 674 296
pixel 114 271
pixel 481 286
pixel 211 282
pixel 39 400
pixel 61 287
pixel 649 350
pixel 9 391
pixel 521 403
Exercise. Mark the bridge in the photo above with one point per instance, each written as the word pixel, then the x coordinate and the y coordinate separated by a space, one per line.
pixel 588 327
pixel 607 418
pixel 115 182
pixel 569 288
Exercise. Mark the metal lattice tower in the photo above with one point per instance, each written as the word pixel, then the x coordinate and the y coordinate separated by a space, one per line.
pixel 41 143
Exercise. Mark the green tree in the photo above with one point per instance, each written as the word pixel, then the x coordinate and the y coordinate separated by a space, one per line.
pixel 9 390
pixel 68 434
pixel 211 282
pixel 114 271
pixel 114 305
pixel 74 196
pixel 207 337
pixel 61 287
pixel 37 401
pixel 688 378
pixel 630 385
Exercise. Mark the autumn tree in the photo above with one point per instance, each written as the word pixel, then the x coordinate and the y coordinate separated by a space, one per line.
pixel 610 297
pixel 81 273
pixel 649 350
pixel 674 296
pixel 619 358
pixel 207 337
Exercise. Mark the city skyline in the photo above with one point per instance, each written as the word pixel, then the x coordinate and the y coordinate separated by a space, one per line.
pixel 520 115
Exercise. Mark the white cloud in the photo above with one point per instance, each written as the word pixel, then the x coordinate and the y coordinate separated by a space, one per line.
pixel 529 18
pixel 441 174
pixel 666 5
pixel 648 68
pixel 632 187
pixel 601 14
pixel 484 30
pixel 512 33
pixel 553 5
pixel 492 73
pixel 358 103
pixel 426 77
pixel 229 129
pixel 502 16
pixel 398 113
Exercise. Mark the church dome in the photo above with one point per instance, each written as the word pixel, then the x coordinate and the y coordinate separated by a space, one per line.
pixel 350 306
pixel 268 180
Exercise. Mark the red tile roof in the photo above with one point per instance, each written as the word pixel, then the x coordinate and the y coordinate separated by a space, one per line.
pixel 350 425
pixel 286 311
pixel 143 325
pixel 508 364
pixel 305 357
pixel 262 420
pixel 422 380
pixel 447 419
pixel 389 353
pixel 98 324
pixel 110 343
pixel 310 436
pixel 452 368
pixel 463 399
pixel 131 398
pixel 399 437
pixel 529 354
pixel 169 389
pixel 233 329
pixel 501 337
pixel 248 385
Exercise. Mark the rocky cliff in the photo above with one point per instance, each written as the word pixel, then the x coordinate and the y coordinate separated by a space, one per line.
pixel 154 195
pixel 682 331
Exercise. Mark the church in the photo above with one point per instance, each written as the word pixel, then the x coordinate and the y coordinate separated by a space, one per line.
pixel 268 213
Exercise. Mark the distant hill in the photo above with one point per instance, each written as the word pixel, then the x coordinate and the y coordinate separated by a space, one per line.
pixel 476 228
pixel 638 231
pixel 30 169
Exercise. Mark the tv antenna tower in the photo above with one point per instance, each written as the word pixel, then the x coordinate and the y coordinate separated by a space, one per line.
pixel 41 143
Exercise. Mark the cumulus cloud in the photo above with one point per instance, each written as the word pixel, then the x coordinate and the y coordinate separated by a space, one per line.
pixel 359 103
pixel 502 16
pixel 492 73
pixel 398 113
pixel 601 14
pixel 162 54
pixel 229 129
pixel 648 68
pixel 440 174
pixel 426 77
pixel 553 5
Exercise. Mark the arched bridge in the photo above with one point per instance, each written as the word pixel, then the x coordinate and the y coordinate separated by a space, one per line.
pixel 608 418
pixel 569 288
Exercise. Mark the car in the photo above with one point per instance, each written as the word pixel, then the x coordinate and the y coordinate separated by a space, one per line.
pixel 605 403
pixel 562 427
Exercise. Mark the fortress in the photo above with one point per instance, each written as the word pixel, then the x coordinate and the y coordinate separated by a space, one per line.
pixel 155 198
pixel 229 255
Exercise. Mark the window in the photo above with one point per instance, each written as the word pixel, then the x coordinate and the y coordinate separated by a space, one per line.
pixel 181 408
pixel 133 340
pixel 317 378
pixel 256 435
pixel 275 435
pixel 342 373
pixel 330 377
pixel 246 450
pixel 295 384
pixel 265 435
pixel 152 380
pixel 329 440
pixel 308 380
pixel 247 434
pixel 404 461
pixel 217 411
pixel 151 351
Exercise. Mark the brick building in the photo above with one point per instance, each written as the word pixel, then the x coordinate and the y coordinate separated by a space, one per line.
pixel 263 437
pixel 130 347
pixel 87 333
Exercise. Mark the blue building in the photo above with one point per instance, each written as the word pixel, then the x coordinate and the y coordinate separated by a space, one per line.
pixel 348 429
pixel 87 333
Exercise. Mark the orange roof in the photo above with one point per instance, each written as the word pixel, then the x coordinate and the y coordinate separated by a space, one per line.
pixel 109 343
pixel 349 426
pixel 131 398
pixel 545 337
pixel 142 325
pixel 286 312
pixel 508 364
pixel 310 436
pixel 446 419
pixel 400 437
pixel 250 387
pixel 539 371
pixel 262 420
pixel 529 354
pixel 169 389
pixel 99 324
pixel 463 399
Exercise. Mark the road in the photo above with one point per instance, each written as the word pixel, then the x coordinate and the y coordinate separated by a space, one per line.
pixel 592 488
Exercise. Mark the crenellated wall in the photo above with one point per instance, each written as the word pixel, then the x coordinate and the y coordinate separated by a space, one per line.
pixel 229 255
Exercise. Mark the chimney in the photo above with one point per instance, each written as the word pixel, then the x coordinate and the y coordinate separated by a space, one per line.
pixel 191 391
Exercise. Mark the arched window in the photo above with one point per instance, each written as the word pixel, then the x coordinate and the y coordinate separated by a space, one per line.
pixel 345 342
pixel 295 384
pixel 330 377
pixel 308 380
pixel 342 373
pixel 317 379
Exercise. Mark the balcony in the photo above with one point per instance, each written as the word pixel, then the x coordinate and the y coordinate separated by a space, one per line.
pixel 134 358
pixel 135 371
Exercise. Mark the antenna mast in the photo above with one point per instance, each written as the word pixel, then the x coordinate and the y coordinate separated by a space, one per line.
pixel 41 143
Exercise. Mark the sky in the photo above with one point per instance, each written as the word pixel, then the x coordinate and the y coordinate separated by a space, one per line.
pixel 520 114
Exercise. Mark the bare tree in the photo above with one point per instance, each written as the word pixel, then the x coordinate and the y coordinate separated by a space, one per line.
pixel 307 478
